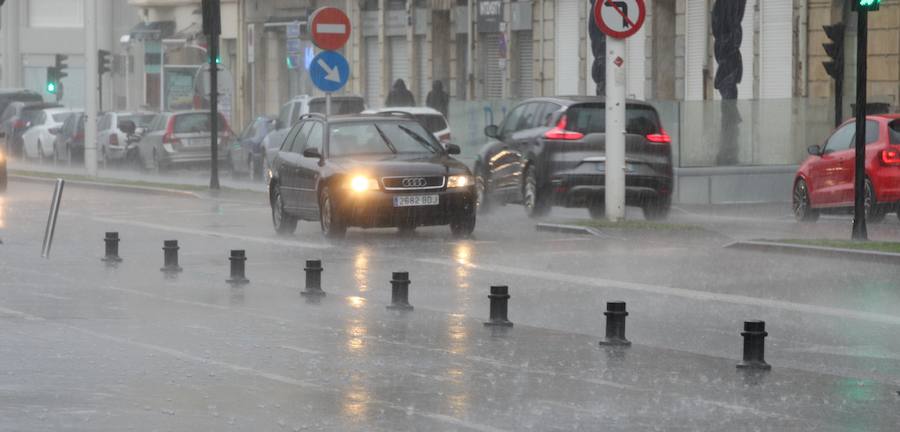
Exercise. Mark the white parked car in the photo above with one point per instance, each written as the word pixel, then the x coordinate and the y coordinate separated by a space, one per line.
pixel 112 143
pixel 431 119
pixel 41 134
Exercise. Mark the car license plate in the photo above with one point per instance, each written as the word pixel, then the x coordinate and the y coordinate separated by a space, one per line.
pixel 198 142
pixel 629 167
pixel 415 200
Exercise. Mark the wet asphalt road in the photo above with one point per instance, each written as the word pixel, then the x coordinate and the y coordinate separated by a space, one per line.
pixel 94 348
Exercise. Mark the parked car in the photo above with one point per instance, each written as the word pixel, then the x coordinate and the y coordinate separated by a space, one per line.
pixel 14 124
pixel 246 154
pixel 112 141
pixel 180 138
pixel 290 114
pixel 69 143
pixel 8 96
pixel 552 151
pixel 369 171
pixel 43 126
pixel 430 118
pixel 825 180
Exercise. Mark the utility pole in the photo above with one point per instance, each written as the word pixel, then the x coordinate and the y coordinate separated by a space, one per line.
pixel 93 82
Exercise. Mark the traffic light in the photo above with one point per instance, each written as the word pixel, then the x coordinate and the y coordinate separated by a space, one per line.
pixel 835 50
pixel 61 66
pixel 103 58
pixel 52 80
pixel 867 5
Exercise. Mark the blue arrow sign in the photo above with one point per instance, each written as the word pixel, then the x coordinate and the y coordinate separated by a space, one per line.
pixel 329 71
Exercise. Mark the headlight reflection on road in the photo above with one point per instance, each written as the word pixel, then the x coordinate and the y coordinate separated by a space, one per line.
pixel 361 268
pixel 2 212
pixel 356 398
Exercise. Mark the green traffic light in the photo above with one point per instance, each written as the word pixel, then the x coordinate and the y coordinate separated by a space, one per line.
pixel 51 87
pixel 870 5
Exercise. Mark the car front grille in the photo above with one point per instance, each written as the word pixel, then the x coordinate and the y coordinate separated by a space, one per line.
pixel 413 182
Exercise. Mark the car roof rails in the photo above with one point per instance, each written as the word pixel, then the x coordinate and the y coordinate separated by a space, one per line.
pixel 314 115
pixel 395 113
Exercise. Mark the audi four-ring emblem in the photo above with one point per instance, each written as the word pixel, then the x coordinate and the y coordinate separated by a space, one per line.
pixel 412 182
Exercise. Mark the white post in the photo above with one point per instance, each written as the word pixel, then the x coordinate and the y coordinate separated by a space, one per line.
pixel 162 76
pixel 615 129
pixel 127 77
pixel 92 81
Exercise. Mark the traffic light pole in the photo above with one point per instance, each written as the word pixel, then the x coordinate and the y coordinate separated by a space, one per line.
pixel 859 184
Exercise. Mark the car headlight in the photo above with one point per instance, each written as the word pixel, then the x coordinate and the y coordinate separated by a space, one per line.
pixel 458 181
pixel 362 184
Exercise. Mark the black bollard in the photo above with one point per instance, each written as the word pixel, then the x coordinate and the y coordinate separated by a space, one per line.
pixel 112 248
pixel 313 279
pixel 499 300
pixel 754 346
pixel 615 324
pixel 170 256
pixel 400 292
pixel 238 259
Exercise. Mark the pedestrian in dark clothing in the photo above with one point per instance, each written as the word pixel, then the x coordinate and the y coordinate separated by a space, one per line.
pixel 400 96
pixel 438 98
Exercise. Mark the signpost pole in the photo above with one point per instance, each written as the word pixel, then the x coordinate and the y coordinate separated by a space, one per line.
pixel 327 105
pixel 615 129
pixel 859 184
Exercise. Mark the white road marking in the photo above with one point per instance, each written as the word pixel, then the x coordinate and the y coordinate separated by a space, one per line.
pixel 677 292
pixel 331 28
pixel 170 228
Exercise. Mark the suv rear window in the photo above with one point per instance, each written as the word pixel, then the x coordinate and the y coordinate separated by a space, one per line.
pixel 338 106
pixel 432 122
pixel 591 118
pixel 195 123
pixel 894 131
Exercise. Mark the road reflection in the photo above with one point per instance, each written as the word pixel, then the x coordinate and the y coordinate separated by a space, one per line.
pixel 361 268
pixel 2 212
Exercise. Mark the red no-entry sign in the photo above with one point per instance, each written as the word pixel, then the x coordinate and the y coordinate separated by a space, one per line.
pixel 619 18
pixel 330 28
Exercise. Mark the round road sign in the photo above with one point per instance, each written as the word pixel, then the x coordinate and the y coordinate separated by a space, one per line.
pixel 619 18
pixel 329 71
pixel 330 28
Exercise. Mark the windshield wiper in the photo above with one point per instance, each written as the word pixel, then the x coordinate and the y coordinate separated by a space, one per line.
pixel 417 137
pixel 387 142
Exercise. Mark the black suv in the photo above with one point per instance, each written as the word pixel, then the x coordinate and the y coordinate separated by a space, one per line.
pixel 382 170
pixel 552 151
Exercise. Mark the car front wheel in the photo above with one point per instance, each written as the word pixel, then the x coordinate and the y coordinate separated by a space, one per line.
pixel 463 225
pixel 803 212
pixel 284 223
pixel 330 218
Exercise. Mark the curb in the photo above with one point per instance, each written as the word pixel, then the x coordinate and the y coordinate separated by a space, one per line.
pixel 822 251
pixel 110 186
pixel 568 229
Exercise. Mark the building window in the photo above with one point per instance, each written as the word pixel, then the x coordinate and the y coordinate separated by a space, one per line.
pixel 56 13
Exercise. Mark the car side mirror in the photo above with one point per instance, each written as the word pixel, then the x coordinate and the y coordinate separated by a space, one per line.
pixel 127 126
pixel 312 153
pixel 453 149
pixel 492 131
pixel 814 150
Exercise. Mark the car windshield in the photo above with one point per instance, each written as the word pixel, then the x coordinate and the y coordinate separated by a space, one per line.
pixel 591 118
pixel 386 137
pixel 61 117
pixel 140 120
pixel 338 106
pixel 432 122
pixel 195 123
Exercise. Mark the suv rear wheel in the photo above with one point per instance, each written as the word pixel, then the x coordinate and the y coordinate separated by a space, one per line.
pixel 535 199
pixel 657 208
pixel 874 212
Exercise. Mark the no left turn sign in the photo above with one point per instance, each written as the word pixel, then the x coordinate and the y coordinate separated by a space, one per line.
pixel 619 18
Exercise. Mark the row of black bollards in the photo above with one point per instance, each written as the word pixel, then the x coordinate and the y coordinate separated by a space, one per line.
pixel 754 333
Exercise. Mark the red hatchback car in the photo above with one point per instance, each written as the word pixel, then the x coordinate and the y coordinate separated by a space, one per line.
pixel 824 182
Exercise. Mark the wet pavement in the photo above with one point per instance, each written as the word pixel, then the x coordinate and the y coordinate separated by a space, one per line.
pixel 88 347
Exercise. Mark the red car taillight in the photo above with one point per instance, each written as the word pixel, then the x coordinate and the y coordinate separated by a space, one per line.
pixel 113 140
pixel 560 133
pixel 168 137
pixel 659 138
pixel 19 124
pixel 890 157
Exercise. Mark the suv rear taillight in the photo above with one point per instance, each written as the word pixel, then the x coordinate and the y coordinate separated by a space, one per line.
pixel 19 124
pixel 113 139
pixel 168 137
pixel 890 157
pixel 560 133
pixel 445 138
pixel 659 138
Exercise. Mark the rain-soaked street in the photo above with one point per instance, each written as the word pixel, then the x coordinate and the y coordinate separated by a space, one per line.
pixel 91 347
